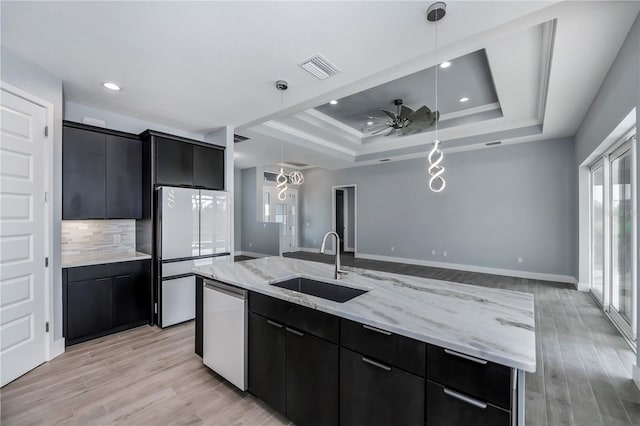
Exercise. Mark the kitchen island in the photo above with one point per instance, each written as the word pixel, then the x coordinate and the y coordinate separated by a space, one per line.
pixel 460 351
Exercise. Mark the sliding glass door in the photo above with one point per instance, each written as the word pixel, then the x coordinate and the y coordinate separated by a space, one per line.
pixel 597 231
pixel 622 289
pixel 613 270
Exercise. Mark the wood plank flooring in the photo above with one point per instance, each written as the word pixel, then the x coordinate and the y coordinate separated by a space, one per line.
pixel 148 376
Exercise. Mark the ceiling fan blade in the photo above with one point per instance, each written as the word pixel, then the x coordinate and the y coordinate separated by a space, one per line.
pixel 380 130
pixel 390 114
pixel 405 112
pixel 393 129
pixel 422 114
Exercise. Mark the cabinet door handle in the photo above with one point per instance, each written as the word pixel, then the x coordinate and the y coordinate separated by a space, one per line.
pixel 275 324
pixel 296 332
pixel 123 276
pixel 376 364
pixel 467 357
pixel 465 398
pixel 102 279
pixel 377 330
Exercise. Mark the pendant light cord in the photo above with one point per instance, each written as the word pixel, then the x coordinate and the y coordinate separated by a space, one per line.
pixel 437 66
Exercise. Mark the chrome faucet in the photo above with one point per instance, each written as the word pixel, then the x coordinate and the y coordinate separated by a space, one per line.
pixel 338 272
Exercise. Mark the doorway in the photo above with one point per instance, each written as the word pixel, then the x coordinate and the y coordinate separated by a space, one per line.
pixel 344 214
pixel 612 269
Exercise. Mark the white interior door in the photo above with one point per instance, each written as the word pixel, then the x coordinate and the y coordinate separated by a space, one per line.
pixel 22 237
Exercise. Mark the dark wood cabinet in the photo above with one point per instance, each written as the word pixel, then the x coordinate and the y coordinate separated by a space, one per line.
pixel 103 299
pixel 91 313
pixel 124 178
pixel 83 174
pixel 448 407
pixel 174 162
pixel 267 361
pixel 312 379
pixel 208 167
pixel 374 393
pixel 101 173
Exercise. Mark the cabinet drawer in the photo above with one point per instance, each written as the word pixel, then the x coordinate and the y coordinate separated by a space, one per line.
pixel 80 273
pixel 372 393
pixel 481 379
pixel 400 351
pixel 451 408
pixel 299 317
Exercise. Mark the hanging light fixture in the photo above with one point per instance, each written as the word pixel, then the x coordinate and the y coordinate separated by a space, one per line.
pixel 296 177
pixel 435 12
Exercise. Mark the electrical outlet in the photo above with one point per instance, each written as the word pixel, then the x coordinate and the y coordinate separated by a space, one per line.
pixel 117 239
pixel 519 260
pixel 392 248
pixel 433 252
pixel 444 253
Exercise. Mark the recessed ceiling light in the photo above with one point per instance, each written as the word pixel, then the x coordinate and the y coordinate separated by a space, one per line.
pixel 333 102
pixel 445 64
pixel 111 86
pixel 369 123
pixel 463 100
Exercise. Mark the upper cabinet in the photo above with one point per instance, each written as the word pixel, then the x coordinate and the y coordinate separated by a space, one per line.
pixel 101 173
pixel 185 162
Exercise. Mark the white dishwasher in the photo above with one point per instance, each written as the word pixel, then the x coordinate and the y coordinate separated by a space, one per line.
pixel 225 331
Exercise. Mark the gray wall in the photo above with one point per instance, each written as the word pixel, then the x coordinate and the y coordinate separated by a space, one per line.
pixel 257 237
pixel 237 209
pixel 41 83
pixel 616 98
pixel 499 204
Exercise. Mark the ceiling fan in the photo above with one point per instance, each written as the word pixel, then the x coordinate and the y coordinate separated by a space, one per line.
pixel 405 120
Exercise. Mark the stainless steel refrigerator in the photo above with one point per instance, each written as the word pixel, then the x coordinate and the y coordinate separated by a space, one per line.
pixel 193 229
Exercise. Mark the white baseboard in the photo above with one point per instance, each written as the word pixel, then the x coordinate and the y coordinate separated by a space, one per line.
pixel 635 373
pixel 583 287
pixel 473 268
pixel 350 249
pixel 56 349
pixel 252 254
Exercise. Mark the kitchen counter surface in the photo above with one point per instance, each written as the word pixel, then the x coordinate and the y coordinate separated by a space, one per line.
pixel 70 261
pixel 492 324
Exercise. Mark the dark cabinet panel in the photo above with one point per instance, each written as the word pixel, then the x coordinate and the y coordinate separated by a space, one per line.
pixel 482 379
pixel 446 407
pixel 89 307
pixel 373 393
pixel 130 299
pixel 174 162
pixel 312 379
pixel 267 361
pixel 124 178
pixel 83 174
pixel 208 167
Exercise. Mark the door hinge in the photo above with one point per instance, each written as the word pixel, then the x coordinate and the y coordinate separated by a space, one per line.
pixel 46 262
pixel 46 131
pixel 46 327
pixel 155 308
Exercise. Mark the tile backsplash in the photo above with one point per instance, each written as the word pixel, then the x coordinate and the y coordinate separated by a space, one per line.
pixel 86 237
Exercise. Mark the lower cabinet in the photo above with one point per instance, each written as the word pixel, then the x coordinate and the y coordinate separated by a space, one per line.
pixel 103 299
pixel 373 393
pixel 294 372
pixel 447 407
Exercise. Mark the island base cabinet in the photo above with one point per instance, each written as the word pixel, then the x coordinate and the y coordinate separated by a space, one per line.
pixel 447 407
pixel 267 361
pixel 312 380
pixel 373 393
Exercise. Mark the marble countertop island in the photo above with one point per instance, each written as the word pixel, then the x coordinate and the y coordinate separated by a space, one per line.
pixel 492 324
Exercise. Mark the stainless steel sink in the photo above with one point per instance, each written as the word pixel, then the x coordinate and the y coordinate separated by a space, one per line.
pixel 328 291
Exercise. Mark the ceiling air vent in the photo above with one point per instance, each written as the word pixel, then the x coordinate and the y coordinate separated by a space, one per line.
pixel 296 164
pixel 493 143
pixel 239 138
pixel 320 67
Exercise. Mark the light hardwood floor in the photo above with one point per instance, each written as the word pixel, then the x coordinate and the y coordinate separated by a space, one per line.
pixel 148 376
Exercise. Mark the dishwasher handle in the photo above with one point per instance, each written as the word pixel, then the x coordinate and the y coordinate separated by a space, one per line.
pixel 226 289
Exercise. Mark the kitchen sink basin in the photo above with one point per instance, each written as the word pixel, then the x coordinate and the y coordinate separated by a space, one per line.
pixel 328 291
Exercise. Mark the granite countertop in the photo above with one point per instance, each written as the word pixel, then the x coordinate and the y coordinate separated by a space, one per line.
pixel 70 261
pixel 492 324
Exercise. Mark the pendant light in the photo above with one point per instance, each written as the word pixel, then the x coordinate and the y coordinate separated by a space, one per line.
pixel 281 179
pixel 435 12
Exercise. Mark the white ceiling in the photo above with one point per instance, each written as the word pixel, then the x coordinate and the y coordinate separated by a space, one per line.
pixel 200 65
